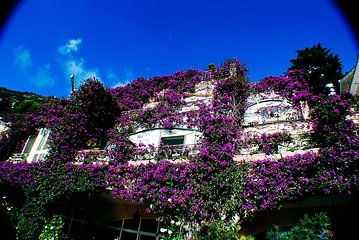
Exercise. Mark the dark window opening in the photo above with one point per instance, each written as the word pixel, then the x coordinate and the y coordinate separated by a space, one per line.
pixel 137 229
pixel 29 144
pixel 179 140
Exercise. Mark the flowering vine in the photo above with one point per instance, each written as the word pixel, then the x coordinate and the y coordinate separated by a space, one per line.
pixel 206 185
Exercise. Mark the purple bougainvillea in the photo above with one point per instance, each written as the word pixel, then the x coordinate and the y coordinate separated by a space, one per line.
pixel 209 184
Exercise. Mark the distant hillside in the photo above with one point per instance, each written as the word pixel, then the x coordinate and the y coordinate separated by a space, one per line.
pixel 16 101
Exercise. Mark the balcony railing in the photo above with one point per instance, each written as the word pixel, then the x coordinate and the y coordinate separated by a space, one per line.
pixel 92 156
pixel 261 119
pixel 141 154
pixel 18 157
pixel 165 152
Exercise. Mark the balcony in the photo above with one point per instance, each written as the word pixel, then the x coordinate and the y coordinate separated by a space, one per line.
pixel 92 156
pixel 18 157
pixel 174 153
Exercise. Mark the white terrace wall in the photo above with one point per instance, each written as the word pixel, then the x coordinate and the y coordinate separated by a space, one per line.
pixel 3 127
pixel 154 136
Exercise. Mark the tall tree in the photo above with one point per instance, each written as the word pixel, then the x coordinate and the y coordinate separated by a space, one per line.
pixel 320 67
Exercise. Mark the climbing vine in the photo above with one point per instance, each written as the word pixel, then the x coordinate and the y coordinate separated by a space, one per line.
pixel 209 187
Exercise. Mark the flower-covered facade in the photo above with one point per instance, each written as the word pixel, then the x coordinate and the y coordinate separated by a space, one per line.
pixel 162 158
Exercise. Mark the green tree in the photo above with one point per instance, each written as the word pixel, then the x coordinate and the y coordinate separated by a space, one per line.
pixel 316 227
pixel 5 105
pixel 320 67
pixel 28 106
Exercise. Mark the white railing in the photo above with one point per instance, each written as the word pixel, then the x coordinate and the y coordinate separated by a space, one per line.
pixel 92 156
pixel 18 157
pixel 166 152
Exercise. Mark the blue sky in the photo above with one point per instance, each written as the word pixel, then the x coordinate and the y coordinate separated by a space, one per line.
pixel 44 42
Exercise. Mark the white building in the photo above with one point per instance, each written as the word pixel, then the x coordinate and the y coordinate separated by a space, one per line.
pixel 36 147
pixel 3 126
pixel 173 136
pixel 350 82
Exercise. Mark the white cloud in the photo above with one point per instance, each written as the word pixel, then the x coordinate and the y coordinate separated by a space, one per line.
pixel 72 45
pixel 22 58
pixel 119 84
pixel 126 77
pixel 77 67
pixel 41 77
pixel 111 75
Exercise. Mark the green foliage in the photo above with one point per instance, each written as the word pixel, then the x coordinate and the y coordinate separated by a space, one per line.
pixel 330 124
pixel 8 215
pixel 172 232
pixel 5 105
pixel 210 67
pixel 320 67
pixel 355 103
pixel 31 220
pixel 309 227
pixel 220 230
pixel 19 102
pixel 221 189
pixel 52 187
pixel 28 105
pixel 54 229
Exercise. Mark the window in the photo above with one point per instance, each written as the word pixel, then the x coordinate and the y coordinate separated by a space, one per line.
pixel 75 224
pixel 30 142
pixel 178 140
pixel 44 136
pixel 78 225
pixel 37 146
pixel 135 229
